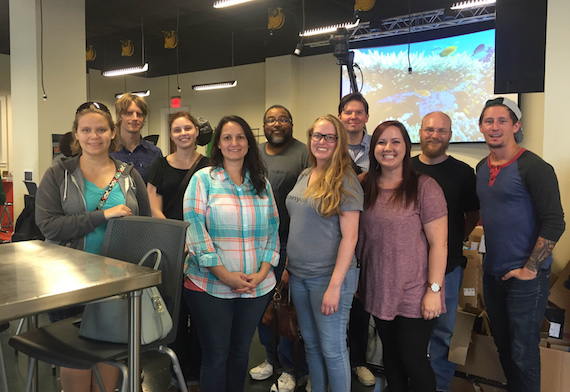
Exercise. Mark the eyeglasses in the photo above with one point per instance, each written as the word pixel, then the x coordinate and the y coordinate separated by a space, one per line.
pixel 441 131
pixel 328 138
pixel 281 120
pixel 97 105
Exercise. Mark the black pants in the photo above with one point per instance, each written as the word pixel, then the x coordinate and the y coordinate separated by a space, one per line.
pixel 358 323
pixel 405 348
pixel 187 346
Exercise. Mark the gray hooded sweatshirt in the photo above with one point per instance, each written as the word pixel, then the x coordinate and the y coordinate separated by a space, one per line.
pixel 61 213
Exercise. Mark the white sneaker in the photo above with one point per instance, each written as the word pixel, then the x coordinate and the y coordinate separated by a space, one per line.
pixel 285 383
pixel 365 376
pixel 262 372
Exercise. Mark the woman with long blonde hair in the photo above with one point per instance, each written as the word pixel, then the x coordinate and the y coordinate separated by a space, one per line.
pixel 325 207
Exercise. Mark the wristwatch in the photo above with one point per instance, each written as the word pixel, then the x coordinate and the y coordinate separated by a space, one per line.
pixel 434 287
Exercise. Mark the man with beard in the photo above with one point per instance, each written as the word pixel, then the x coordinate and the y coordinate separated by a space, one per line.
pixel 457 179
pixel 285 158
pixel 131 111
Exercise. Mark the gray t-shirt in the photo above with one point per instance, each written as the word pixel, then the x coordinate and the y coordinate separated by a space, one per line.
pixel 314 240
pixel 283 169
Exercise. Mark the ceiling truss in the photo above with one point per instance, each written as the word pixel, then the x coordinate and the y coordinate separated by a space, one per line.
pixel 413 23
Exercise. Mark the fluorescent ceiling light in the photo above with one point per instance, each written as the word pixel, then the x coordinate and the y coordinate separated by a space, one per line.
pixel 472 4
pixel 228 3
pixel 126 71
pixel 145 93
pixel 329 29
pixel 214 86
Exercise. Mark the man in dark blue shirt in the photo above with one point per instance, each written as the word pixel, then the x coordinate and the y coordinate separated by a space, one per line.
pixel 131 111
pixel 523 219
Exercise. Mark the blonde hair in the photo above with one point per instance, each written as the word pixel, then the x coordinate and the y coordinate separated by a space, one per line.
pixel 326 191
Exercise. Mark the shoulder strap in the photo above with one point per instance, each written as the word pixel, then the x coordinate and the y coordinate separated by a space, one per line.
pixel 111 185
pixel 183 184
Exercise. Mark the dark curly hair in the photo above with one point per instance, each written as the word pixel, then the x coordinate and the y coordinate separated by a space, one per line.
pixel 252 162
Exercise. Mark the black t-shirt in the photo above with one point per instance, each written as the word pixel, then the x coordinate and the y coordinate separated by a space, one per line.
pixel 167 180
pixel 458 181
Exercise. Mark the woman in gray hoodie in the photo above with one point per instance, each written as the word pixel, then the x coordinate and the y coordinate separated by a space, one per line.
pixel 77 197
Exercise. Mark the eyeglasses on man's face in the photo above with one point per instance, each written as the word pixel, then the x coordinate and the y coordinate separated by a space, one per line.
pixel 329 138
pixel 280 120
pixel 439 131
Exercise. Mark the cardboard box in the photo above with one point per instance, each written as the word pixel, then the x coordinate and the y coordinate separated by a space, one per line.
pixel 475 238
pixel 461 338
pixel 483 359
pixel 471 292
pixel 555 363
pixel 560 296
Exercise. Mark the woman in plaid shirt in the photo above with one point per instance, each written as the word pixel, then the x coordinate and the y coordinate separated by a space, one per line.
pixel 232 248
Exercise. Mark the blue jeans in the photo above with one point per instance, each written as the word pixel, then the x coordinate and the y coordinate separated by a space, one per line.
pixel 516 308
pixel 325 336
pixel 442 331
pixel 225 328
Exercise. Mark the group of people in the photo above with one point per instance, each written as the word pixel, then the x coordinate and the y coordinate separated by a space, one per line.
pixel 357 227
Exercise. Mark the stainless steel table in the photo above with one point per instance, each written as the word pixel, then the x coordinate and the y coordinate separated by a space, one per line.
pixel 36 276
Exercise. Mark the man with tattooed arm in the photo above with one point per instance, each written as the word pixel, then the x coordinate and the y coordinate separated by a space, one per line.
pixel 523 219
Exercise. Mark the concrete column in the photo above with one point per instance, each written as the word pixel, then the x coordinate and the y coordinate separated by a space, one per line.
pixel 34 119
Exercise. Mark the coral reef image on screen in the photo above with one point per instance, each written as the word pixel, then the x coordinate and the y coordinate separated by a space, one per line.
pixel 454 75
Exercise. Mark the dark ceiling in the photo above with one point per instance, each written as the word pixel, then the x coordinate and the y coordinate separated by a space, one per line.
pixel 205 33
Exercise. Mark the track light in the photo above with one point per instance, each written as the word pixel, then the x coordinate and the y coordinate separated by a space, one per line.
pixel 228 3
pixel 214 86
pixel 472 4
pixel 298 49
pixel 144 93
pixel 329 29
pixel 126 71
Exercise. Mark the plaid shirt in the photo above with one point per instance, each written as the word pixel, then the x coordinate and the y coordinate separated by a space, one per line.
pixel 232 226
pixel 142 156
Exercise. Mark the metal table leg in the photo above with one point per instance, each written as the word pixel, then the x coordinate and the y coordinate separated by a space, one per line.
pixel 134 341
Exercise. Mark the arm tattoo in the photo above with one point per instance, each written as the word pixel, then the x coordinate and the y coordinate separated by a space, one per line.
pixel 541 251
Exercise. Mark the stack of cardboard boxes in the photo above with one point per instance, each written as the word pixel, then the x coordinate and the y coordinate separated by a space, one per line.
pixel 472 347
pixel 555 353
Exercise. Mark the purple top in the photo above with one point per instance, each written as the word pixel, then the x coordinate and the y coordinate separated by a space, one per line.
pixel 393 250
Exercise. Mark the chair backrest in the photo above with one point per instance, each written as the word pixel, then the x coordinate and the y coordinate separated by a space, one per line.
pixel 32 188
pixel 152 139
pixel 129 238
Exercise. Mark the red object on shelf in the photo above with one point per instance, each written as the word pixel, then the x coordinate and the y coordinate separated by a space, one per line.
pixel 8 188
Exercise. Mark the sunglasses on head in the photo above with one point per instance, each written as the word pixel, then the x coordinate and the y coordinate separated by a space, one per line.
pixel 88 105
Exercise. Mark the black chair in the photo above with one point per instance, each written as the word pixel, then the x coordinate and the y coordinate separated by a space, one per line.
pixel 127 239
pixel 32 188
pixel 152 139
pixel 4 381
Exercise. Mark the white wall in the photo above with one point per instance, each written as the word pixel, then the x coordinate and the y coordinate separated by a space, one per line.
pixel 5 110
pixel 556 109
